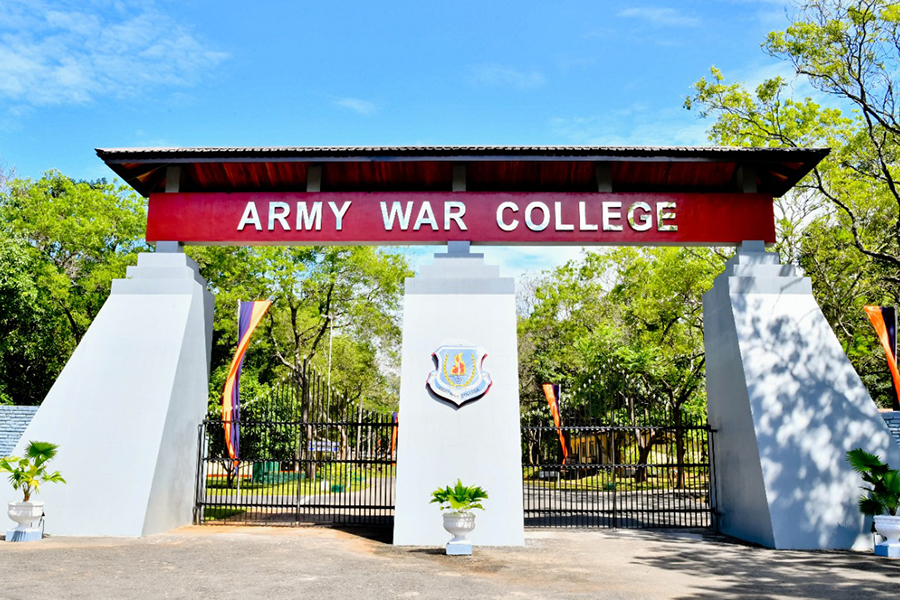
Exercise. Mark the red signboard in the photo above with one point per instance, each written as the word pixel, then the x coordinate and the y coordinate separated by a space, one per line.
pixel 402 218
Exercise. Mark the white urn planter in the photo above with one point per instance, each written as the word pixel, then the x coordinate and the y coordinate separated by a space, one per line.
pixel 459 524
pixel 888 527
pixel 25 514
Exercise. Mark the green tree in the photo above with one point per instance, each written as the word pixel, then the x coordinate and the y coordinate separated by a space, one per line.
pixel 624 327
pixel 842 225
pixel 62 243
pixel 352 293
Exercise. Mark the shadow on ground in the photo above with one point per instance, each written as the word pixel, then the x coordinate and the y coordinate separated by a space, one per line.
pixel 734 569
pixel 384 535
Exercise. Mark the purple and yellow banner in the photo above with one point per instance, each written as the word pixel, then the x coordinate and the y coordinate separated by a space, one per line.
pixel 249 316
pixel 884 320
pixel 551 392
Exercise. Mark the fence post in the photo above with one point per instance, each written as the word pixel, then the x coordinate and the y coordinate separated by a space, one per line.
pixel 200 478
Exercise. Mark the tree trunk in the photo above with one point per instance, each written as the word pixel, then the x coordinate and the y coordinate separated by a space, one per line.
pixel 679 448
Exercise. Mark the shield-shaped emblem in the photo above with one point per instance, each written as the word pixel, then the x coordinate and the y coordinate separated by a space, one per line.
pixel 459 377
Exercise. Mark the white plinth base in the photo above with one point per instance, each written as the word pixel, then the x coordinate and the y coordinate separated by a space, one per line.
pixel 23 534
pixel 126 408
pixel 888 550
pixel 459 548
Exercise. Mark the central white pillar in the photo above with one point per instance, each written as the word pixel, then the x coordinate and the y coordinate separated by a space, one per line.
pixel 461 301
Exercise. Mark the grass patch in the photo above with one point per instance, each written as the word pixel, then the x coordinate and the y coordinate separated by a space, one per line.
pixel 216 513
pixel 338 481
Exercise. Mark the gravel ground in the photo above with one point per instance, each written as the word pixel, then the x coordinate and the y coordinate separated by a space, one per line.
pixel 310 562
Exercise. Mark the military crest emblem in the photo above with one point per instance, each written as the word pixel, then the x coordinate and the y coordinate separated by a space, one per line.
pixel 459 377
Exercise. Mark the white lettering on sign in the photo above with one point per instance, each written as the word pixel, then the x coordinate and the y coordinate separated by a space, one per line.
pixel 560 226
pixel 511 226
pixel 426 217
pixel 583 225
pixel 454 211
pixel 529 211
pixel 639 216
pixel 396 213
pixel 250 217
pixel 665 211
pixel 279 211
pixel 339 214
pixel 608 215
pixel 642 222
pixel 309 216
pixel 537 216
pixel 308 219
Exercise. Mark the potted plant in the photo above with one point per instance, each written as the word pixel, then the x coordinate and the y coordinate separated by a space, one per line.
pixel 458 501
pixel 883 497
pixel 27 474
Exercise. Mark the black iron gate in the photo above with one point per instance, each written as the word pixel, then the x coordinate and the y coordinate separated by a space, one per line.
pixel 312 457
pixel 650 471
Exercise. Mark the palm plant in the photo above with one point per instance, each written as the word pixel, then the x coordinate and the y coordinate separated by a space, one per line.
pixel 884 495
pixel 29 472
pixel 459 498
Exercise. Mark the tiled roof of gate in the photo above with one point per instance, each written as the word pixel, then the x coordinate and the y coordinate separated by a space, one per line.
pixel 488 168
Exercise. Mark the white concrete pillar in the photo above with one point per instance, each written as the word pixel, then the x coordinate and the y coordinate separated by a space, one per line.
pixel 786 405
pixel 459 299
pixel 126 408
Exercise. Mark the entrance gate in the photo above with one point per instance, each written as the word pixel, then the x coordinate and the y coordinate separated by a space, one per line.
pixel 621 467
pixel 333 463
pixel 312 457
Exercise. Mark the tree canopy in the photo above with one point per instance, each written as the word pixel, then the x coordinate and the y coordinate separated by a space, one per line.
pixel 350 294
pixel 842 223
pixel 636 313
pixel 62 242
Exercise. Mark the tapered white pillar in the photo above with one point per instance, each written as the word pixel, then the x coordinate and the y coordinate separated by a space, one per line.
pixel 126 408
pixel 786 405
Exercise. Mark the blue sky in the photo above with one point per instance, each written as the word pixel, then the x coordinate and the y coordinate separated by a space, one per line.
pixel 121 73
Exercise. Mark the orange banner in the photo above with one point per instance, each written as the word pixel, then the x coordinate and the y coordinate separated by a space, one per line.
pixel 550 392
pixel 878 323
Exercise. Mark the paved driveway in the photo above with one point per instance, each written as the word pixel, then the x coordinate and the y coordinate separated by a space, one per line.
pixel 307 562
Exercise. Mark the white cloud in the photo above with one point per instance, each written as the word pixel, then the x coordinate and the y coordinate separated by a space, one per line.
pixel 52 54
pixel 363 107
pixel 664 17
pixel 636 125
pixel 501 76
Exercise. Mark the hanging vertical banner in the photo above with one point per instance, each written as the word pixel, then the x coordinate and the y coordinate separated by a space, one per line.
pixel 884 320
pixel 249 316
pixel 395 419
pixel 551 391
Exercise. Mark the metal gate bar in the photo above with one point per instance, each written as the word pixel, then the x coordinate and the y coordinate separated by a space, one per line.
pixel 624 476
pixel 313 457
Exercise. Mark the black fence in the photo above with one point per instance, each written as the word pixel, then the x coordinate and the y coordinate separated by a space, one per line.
pixel 615 468
pixel 306 456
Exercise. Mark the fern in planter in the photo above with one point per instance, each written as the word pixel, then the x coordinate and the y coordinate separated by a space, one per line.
pixel 884 495
pixel 459 498
pixel 29 472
